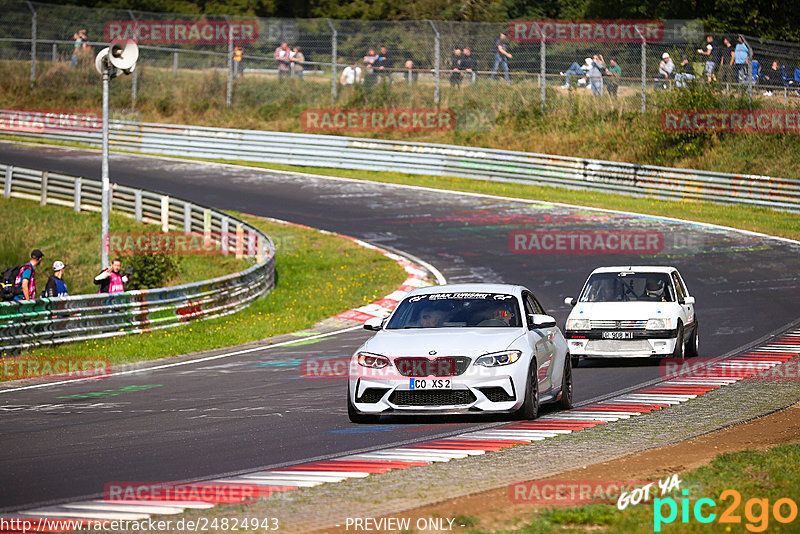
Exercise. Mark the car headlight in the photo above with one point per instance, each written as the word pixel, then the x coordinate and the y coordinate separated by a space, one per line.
pixel 579 324
pixel 499 358
pixel 373 361
pixel 659 324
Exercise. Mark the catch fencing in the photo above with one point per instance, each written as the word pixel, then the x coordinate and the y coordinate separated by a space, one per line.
pixel 48 321
pixel 420 54
pixel 441 160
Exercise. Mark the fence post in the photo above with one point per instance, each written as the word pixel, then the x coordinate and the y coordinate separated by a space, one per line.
pixel 225 239
pixel 187 218
pixel 137 205
pixel 135 79
pixel 543 71
pixel 43 200
pixel 165 214
pixel 7 184
pixel 76 195
pixel 436 63
pixel 644 73
pixel 175 63
pixel 229 87
pixel 33 41
pixel 55 52
pixel 334 42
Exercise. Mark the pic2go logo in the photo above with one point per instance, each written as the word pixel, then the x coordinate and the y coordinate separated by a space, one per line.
pixel 756 511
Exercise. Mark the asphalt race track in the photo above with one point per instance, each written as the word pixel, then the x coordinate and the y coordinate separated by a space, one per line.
pixel 252 411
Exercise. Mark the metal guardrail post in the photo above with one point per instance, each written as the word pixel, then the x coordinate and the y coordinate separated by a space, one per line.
pixel 206 227
pixel 76 194
pixel 43 199
pixel 334 42
pixel 33 41
pixel 7 183
pixel 225 238
pixel 165 214
pixel 187 218
pixel 137 205
pixel 239 241
pixel 436 57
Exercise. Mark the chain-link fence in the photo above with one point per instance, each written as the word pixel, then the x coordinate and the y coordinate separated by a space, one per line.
pixel 425 63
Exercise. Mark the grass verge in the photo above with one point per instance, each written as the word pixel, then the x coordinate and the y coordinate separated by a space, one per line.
pixel 319 276
pixel 760 479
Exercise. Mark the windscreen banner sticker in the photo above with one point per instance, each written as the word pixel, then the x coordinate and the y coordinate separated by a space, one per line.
pixel 461 296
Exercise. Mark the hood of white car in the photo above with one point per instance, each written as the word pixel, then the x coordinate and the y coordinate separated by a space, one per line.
pixel 457 341
pixel 621 311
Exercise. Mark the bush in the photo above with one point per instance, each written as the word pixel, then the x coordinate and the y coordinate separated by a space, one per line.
pixel 150 271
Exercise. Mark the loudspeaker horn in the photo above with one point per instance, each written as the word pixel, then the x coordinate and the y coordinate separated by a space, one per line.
pixel 123 55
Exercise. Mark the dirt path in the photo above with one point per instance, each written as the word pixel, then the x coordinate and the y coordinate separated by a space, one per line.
pixel 759 434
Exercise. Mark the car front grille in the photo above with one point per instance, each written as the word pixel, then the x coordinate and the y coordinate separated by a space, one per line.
pixel 613 325
pixel 419 366
pixel 616 345
pixel 432 397
pixel 372 395
pixel 496 394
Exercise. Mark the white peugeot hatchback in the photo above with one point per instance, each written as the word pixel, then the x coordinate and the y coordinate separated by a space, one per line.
pixel 461 348
pixel 632 311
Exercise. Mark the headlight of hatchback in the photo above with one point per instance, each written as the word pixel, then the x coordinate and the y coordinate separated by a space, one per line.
pixel 499 358
pixel 579 324
pixel 659 324
pixel 373 361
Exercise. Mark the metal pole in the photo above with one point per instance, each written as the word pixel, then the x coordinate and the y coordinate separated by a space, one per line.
pixel 436 63
pixel 106 189
pixel 135 80
pixel 33 42
pixel 55 52
pixel 543 70
pixel 229 88
pixel 334 41
pixel 644 72
pixel 175 63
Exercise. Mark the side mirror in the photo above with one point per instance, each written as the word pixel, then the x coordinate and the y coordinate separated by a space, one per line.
pixel 541 321
pixel 374 324
pixel 688 300
pixel 570 301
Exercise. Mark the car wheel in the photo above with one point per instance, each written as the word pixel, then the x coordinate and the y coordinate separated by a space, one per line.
pixel 693 348
pixel 530 408
pixel 356 416
pixel 576 362
pixel 678 352
pixel 565 402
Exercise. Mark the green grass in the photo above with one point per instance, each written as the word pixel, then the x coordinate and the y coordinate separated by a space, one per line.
pixel 770 475
pixel 74 239
pixel 319 276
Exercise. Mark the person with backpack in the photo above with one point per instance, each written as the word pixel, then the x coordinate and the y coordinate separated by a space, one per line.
pixel 110 280
pixel 56 286
pixel 25 282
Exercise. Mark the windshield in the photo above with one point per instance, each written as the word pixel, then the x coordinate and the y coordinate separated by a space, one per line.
pixel 627 286
pixel 441 310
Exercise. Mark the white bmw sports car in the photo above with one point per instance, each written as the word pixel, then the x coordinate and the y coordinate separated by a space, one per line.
pixel 462 348
pixel 632 312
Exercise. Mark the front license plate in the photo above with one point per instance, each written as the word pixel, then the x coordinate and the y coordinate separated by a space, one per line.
pixel 430 383
pixel 617 335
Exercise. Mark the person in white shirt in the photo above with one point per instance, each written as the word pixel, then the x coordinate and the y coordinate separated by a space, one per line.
pixel 351 75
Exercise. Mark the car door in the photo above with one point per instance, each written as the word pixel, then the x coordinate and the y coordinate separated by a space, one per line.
pixel 686 310
pixel 543 342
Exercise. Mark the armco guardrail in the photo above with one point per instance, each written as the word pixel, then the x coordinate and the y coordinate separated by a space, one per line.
pixel 439 160
pixel 49 321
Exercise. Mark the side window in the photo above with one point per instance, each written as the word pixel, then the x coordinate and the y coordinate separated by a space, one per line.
pixel 678 286
pixel 532 303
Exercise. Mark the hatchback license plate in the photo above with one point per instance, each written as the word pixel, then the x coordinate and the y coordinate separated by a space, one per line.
pixel 617 335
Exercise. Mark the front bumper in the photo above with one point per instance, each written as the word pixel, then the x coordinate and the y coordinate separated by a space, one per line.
pixel 643 344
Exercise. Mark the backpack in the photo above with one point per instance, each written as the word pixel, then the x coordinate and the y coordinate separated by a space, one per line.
pixel 7 279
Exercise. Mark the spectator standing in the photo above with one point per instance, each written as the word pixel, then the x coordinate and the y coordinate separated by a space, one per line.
pixel 501 56
pixel 351 75
pixel 110 280
pixel 741 58
pixel 383 64
pixel 26 278
pixel 470 65
pixel 595 74
pixel 712 53
pixel 726 63
pixel 666 70
pixel 297 58
pixel 411 74
pixel 369 65
pixel 614 75
pixel 455 68
pixel 56 286
pixel 283 57
pixel 78 46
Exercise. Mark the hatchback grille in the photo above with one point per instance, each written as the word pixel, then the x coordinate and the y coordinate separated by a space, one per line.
pixel 440 366
pixel 496 394
pixel 372 395
pixel 446 397
pixel 613 325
